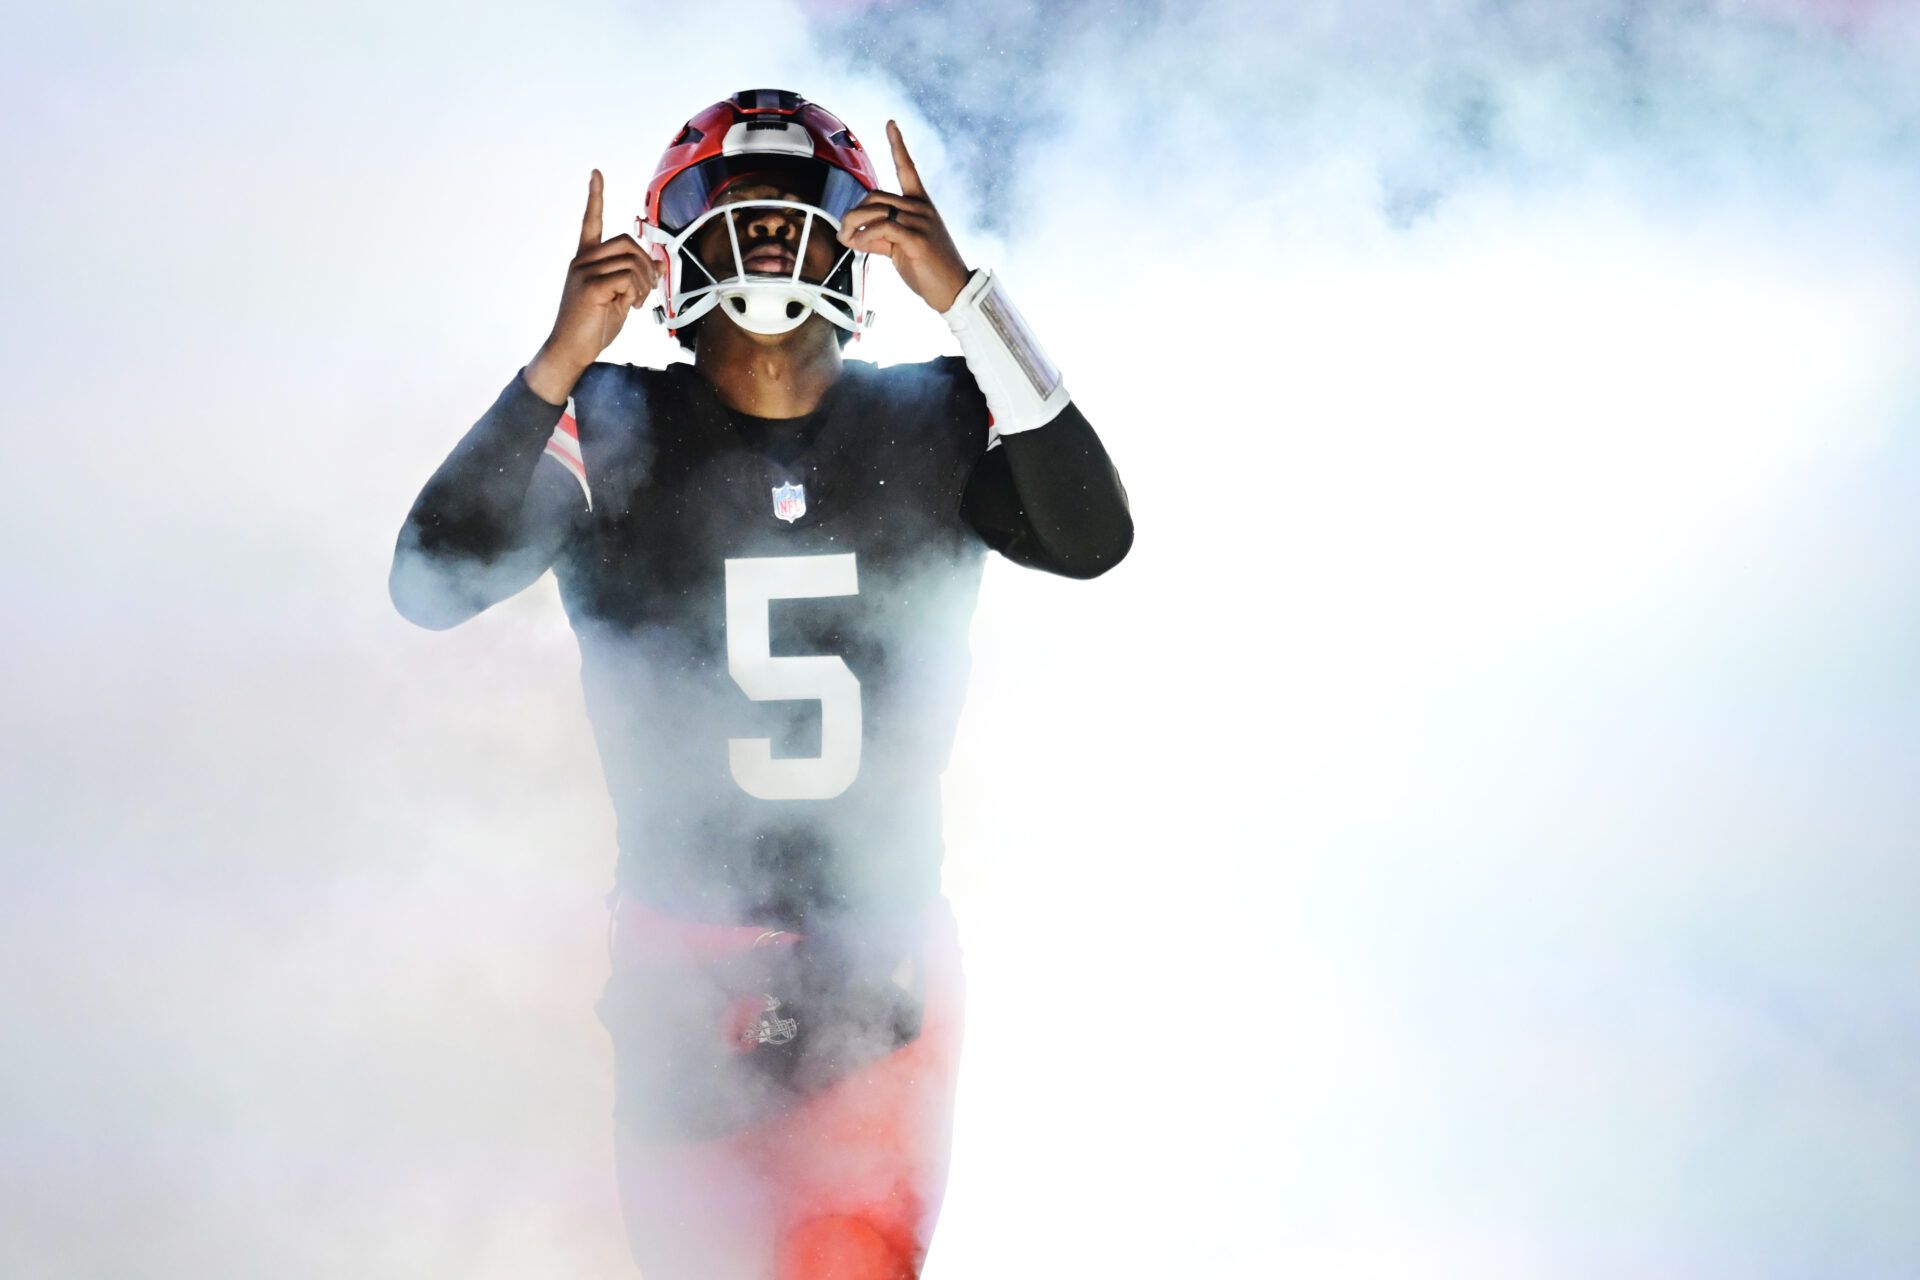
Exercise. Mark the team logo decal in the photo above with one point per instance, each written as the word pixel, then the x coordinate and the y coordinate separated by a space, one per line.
pixel 770 1027
pixel 790 502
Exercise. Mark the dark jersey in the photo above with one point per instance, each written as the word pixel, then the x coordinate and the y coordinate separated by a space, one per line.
pixel 772 617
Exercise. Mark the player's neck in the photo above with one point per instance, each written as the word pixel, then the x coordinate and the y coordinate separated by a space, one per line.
pixel 783 379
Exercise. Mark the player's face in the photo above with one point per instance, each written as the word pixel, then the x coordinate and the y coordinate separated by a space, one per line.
pixel 769 238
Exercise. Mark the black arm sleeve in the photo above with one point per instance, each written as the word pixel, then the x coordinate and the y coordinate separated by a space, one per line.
pixel 1050 499
pixel 490 520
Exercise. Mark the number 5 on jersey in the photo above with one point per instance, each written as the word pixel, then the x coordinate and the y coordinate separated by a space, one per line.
pixel 822 678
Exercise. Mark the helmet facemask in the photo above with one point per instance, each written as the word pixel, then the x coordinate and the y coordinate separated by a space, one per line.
pixel 760 302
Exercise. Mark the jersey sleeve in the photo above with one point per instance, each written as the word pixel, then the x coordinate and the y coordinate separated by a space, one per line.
pixel 492 518
pixel 1048 498
pixel 563 447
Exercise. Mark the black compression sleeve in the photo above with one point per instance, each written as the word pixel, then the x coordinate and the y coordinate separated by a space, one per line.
pixel 1050 498
pixel 490 520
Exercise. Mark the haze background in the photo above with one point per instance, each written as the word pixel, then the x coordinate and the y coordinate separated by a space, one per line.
pixel 1471 836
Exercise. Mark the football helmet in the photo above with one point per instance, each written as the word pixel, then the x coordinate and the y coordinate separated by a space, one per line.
pixel 802 150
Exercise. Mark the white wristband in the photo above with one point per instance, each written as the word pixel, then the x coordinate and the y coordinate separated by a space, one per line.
pixel 1023 388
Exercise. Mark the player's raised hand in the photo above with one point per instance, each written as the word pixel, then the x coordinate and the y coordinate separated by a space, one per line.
pixel 909 230
pixel 606 279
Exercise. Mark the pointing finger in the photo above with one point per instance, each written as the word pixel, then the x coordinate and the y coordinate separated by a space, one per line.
pixel 903 163
pixel 590 224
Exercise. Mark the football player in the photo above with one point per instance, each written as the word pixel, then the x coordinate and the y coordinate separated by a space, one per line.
pixel 770 557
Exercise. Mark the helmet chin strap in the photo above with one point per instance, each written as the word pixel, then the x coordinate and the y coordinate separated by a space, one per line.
pixel 764 304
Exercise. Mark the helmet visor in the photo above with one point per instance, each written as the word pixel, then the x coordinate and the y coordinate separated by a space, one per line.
pixel 807 180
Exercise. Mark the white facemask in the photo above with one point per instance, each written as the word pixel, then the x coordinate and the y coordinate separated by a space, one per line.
pixel 761 303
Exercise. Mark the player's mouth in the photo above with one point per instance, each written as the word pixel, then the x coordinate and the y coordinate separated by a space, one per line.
pixel 768 259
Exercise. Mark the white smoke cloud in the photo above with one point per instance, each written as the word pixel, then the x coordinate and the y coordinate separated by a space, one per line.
pixel 1468 836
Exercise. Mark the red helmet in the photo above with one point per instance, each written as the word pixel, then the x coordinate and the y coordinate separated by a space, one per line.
pixel 781 137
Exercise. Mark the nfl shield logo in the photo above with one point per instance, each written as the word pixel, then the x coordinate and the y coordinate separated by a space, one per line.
pixel 790 502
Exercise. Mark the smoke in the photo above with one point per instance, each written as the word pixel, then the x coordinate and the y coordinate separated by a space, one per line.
pixel 1470 834
pixel 1494 762
pixel 1406 107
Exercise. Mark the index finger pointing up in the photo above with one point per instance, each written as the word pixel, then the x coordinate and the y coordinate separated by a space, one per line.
pixel 903 164
pixel 590 225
